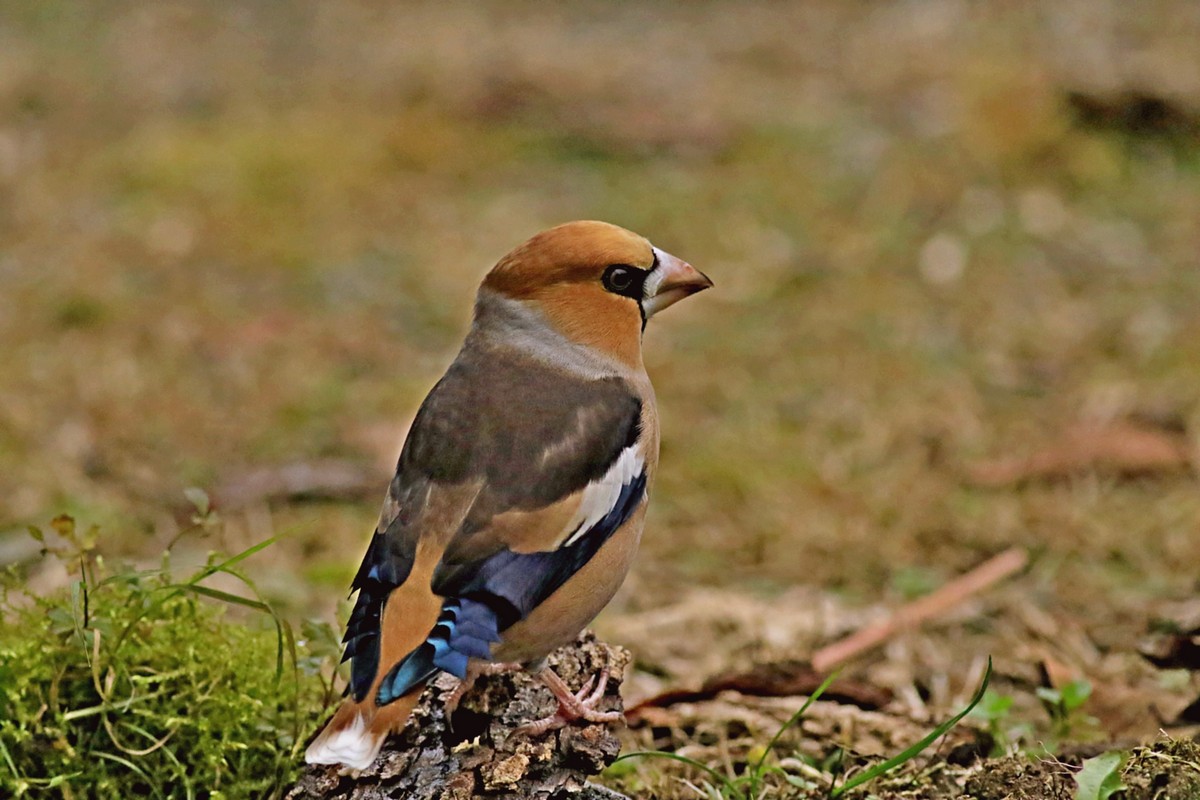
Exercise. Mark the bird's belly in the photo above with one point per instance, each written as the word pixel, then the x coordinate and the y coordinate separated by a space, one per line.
pixel 573 605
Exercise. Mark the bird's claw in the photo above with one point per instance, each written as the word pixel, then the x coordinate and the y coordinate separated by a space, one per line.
pixel 572 706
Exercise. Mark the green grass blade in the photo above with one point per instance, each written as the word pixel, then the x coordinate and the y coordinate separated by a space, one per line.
pixel 171 590
pixel 812 698
pixel 225 565
pixel 227 597
pixel 909 753
pixel 283 638
pixel 293 653
pixel 16 773
pixel 133 768
pixel 127 575
pixel 180 769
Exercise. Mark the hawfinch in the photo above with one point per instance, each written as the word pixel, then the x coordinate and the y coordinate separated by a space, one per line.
pixel 520 493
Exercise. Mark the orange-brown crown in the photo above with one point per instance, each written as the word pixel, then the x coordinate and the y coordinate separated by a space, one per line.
pixel 576 252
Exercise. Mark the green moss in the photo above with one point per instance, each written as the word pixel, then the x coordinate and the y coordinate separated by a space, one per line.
pixel 136 684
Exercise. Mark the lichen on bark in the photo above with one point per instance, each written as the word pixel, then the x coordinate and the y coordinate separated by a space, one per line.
pixel 478 755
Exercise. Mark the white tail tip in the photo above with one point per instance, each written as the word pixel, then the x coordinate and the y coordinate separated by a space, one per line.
pixel 352 745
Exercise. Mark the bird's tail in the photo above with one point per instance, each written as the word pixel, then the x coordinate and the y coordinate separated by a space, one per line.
pixel 356 732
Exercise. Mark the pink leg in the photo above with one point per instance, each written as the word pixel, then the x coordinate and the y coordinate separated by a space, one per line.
pixel 475 670
pixel 572 706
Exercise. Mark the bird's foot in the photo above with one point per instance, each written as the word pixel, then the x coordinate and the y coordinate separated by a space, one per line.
pixel 476 670
pixel 571 705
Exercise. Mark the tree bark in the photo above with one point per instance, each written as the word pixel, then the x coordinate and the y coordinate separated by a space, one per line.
pixel 478 756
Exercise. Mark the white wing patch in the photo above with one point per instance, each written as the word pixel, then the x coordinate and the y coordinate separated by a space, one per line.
pixel 601 495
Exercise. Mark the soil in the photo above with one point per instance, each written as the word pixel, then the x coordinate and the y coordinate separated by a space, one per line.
pixel 1166 770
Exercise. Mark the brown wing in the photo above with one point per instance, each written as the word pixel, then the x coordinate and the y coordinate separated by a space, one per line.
pixel 499 438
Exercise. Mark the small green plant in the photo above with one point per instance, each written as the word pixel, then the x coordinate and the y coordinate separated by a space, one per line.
pixel 134 683
pixel 1100 777
pixel 750 785
pixel 1065 707
pixel 995 710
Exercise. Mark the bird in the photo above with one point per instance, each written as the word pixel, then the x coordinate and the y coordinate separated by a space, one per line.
pixel 520 492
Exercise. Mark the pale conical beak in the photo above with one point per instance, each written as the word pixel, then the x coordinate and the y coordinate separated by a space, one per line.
pixel 671 281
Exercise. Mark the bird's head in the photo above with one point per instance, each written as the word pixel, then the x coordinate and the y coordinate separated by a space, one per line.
pixel 596 283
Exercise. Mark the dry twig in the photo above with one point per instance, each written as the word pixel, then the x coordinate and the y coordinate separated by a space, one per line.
pixel 932 605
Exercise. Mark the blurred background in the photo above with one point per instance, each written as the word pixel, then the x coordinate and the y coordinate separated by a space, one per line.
pixel 956 249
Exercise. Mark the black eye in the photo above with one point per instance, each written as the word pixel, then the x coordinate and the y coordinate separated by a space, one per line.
pixel 620 279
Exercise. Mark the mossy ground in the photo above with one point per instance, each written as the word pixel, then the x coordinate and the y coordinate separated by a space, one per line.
pixel 142 683
pixel 235 236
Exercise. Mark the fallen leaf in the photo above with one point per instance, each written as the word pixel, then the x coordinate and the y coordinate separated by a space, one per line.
pixel 1100 777
pixel 777 679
